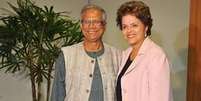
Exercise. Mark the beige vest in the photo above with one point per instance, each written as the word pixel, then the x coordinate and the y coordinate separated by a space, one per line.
pixel 79 69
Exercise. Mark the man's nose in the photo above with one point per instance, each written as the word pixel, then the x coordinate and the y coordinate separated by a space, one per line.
pixel 91 24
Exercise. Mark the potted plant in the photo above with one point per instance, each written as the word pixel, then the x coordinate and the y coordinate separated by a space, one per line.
pixel 30 41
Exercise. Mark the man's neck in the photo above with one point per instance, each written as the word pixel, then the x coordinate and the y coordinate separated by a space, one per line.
pixel 93 46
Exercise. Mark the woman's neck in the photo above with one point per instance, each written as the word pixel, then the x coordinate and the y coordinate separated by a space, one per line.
pixel 135 50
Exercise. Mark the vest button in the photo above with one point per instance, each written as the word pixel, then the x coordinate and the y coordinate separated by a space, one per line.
pixel 90 75
pixel 92 61
pixel 87 90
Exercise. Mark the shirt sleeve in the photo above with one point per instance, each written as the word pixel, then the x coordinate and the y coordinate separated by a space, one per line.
pixel 58 88
pixel 159 79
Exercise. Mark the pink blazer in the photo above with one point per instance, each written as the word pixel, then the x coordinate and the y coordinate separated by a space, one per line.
pixel 148 76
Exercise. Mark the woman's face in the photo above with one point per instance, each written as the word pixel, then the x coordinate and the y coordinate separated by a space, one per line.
pixel 133 30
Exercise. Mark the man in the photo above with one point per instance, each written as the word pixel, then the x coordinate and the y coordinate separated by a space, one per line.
pixel 87 71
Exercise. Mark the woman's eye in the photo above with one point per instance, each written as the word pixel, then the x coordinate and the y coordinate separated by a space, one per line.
pixel 123 27
pixel 134 25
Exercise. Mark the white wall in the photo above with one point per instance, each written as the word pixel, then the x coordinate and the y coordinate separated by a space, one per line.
pixel 170 30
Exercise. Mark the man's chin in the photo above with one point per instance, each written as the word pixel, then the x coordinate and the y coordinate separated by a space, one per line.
pixel 93 40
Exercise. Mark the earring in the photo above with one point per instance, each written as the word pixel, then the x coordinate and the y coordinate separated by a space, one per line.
pixel 145 35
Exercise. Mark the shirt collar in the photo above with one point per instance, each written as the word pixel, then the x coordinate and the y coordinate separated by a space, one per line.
pixel 95 54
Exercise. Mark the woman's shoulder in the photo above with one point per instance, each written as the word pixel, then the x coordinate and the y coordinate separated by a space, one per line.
pixel 155 48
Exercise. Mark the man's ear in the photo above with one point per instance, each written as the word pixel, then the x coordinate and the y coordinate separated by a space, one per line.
pixel 81 25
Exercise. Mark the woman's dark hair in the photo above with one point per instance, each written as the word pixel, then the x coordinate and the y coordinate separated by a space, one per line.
pixel 137 9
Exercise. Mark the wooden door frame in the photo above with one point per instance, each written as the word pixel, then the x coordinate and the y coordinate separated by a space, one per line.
pixel 194 53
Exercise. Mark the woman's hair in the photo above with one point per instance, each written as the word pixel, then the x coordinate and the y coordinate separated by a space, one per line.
pixel 137 9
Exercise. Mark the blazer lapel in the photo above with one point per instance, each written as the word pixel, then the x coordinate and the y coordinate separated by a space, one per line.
pixel 145 46
pixel 124 60
pixel 134 64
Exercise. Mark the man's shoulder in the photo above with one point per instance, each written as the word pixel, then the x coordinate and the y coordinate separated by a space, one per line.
pixel 111 49
pixel 108 46
pixel 71 47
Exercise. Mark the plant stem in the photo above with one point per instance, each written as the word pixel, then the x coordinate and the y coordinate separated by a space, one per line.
pixel 33 87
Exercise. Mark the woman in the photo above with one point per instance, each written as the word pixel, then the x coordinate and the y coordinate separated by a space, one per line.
pixel 144 74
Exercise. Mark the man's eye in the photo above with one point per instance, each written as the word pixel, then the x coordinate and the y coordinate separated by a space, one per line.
pixel 98 22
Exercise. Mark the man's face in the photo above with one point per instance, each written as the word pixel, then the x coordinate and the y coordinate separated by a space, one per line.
pixel 92 25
